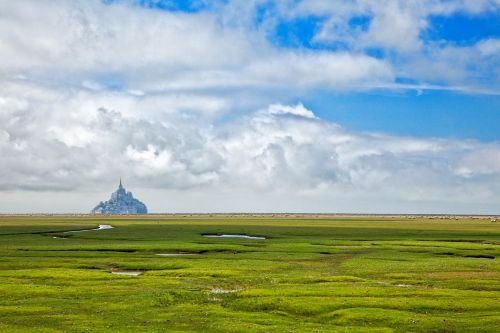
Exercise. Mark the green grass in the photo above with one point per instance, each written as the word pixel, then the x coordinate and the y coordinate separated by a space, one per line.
pixel 309 275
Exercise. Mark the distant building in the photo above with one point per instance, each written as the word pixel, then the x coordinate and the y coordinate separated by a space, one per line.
pixel 121 202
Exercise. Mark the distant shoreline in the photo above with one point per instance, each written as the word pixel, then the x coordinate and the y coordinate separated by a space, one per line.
pixel 281 215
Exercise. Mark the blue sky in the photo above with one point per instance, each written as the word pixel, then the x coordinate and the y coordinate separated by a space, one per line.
pixel 265 105
pixel 434 112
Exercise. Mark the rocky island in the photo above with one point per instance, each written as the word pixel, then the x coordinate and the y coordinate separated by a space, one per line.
pixel 121 202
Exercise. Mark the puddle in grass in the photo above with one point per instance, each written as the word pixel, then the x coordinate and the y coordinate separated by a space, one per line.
pixel 127 273
pixel 400 285
pixel 234 236
pixel 100 227
pixel 175 254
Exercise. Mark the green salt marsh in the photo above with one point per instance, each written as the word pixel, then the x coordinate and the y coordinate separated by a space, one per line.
pixel 309 274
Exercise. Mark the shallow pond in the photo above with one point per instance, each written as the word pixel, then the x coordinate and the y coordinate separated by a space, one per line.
pixel 100 227
pixel 234 236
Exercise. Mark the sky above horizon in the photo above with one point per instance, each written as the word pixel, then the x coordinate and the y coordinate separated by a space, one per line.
pixel 360 106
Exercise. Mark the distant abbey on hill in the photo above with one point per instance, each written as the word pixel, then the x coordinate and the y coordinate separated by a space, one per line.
pixel 121 202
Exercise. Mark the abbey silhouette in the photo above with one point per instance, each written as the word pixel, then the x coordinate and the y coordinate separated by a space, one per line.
pixel 121 202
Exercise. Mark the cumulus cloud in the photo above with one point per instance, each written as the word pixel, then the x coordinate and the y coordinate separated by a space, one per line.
pixel 120 46
pixel 297 110
pixel 90 91
pixel 489 47
pixel 397 29
pixel 395 24
pixel 280 150
pixel 137 49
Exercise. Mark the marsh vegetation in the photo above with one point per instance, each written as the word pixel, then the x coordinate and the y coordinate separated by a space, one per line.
pixel 307 275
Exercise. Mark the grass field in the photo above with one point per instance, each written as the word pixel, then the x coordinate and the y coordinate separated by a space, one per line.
pixel 309 275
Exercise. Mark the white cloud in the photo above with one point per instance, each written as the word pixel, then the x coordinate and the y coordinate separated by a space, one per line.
pixel 489 47
pixel 297 110
pixel 97 91
pixel 143 51
pixel 483 161
pixel 134 49
pixel 397 28
pixel 284 150
pixel 90 36
pixel 395 24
